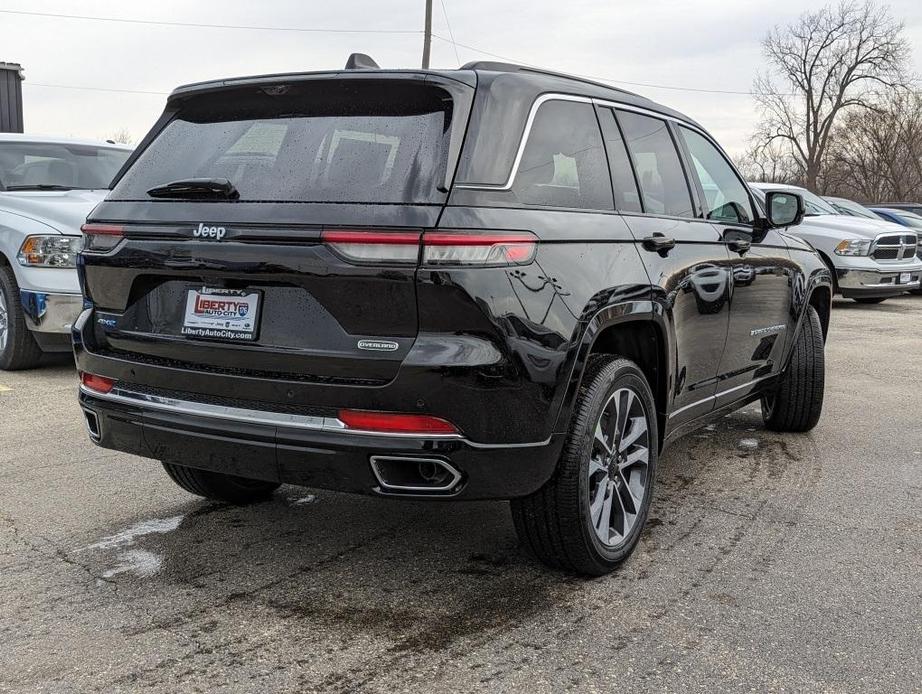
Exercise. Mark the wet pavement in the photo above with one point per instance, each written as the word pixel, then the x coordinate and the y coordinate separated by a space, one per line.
pixel 770 562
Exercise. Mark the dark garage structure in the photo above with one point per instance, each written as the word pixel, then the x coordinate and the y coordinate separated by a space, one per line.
pixel 10 97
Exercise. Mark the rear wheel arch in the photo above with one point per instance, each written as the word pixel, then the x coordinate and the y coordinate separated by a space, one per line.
pixel 642 341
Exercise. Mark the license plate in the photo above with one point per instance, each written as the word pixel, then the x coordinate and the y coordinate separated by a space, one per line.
pixel 221 314
pixel 905 278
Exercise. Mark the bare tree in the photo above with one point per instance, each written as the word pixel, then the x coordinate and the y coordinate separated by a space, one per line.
pixel 121 136
pixel 822 66
pixel 769 163
pixel 876 154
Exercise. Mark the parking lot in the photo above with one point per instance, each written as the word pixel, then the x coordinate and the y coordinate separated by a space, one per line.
pixel 770 562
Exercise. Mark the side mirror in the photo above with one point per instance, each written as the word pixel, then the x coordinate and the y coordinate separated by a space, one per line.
pixel 783 209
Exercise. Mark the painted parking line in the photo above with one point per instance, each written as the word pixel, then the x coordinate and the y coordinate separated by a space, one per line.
pixel 4 389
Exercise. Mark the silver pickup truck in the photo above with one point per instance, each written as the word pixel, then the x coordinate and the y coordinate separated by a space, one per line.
pixel 870 260
pixel 47 188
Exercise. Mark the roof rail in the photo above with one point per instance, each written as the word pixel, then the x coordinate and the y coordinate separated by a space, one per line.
pixel 360 61
pixel 493 66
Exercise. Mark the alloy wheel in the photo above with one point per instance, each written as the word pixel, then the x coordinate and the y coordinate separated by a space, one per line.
pixel 4 322
pixel 618 470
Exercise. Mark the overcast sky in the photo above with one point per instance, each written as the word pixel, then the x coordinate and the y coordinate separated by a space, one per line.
pixel 706 44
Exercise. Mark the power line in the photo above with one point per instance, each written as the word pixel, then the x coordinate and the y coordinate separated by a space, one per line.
pixel 210 26
pixel 93 89
pixel 594 77
pixel 451 34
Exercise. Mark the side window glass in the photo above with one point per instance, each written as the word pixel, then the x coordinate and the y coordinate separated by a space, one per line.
pixel 563 164
pixel 656 161
pixel 627 197
pixel 726 197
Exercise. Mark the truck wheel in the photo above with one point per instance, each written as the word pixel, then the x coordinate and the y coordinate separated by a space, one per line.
pixel 588 517
pixel 870 300
pixel 797 401
pixel 18 349
pixel 218 486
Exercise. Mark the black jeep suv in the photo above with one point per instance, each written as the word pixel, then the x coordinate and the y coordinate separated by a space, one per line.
pixel 485 283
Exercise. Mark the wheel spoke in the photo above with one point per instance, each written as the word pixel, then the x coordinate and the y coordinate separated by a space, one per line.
pixel 625 399
pixel 638 427
pixel 596 466
pixel 629 493
pixel 639 455
pixel 598 501
pixel 624 528
pixel 604 523
pixel 602 439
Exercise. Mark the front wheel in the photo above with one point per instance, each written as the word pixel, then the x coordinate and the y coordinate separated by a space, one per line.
pixel 18 349
pixel 218 486
pixel 588 517
pixel 797 401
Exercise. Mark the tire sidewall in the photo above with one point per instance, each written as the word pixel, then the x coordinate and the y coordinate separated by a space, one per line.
pixel 619 374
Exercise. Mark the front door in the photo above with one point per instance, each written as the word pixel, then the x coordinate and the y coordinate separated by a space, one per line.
pixel 762 277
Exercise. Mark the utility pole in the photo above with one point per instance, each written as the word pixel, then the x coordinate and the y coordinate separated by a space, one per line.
pixel 427 36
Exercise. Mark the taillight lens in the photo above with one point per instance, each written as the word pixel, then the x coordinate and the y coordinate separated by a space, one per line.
pixel 395 423
pixel 478 248
pixel 99 384
pixel 99 238
pixel 374 246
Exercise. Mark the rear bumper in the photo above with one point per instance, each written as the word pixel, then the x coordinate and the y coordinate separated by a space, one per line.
pixel 312 451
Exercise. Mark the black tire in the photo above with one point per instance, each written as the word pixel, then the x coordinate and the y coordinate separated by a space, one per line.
pixel 797 402
pixel 218 486
pixel 20 350
pixel 556 522
pixel 869 299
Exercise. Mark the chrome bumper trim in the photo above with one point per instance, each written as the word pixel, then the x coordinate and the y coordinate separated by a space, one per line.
pixel 125 396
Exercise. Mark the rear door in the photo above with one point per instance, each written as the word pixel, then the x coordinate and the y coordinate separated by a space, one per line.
pixel 308 270
pixel 690 278
pixel 763 276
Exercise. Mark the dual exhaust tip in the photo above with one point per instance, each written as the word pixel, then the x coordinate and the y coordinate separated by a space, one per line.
pixel 415 476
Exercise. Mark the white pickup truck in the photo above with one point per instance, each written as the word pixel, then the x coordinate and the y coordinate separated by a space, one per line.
pixel 47 188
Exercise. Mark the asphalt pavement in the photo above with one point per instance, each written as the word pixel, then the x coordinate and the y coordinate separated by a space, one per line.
pixel 770 563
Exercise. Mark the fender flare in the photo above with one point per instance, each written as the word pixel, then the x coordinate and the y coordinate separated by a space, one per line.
pixel 621 313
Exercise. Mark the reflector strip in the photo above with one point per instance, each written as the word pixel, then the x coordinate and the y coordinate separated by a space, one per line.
pixel 389 422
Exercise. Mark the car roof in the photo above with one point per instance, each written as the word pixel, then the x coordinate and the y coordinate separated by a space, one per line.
pixel 45 139
pixel 515 77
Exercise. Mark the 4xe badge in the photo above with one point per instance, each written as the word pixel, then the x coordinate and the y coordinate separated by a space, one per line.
pixel 206 232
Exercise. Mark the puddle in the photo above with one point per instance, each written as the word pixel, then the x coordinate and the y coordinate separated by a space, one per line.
pixel 137 562
pixel 141 563
pixel 155 526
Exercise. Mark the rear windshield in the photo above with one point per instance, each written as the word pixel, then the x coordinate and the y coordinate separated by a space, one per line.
pixel 327 141
pixel 34 165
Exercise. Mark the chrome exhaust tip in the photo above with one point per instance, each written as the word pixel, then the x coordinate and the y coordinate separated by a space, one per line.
pixel 92 424
pixel 419 476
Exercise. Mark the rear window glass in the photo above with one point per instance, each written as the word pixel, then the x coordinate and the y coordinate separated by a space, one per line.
pixel 331 141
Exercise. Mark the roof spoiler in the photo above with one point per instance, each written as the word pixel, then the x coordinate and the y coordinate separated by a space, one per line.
pixel 360 61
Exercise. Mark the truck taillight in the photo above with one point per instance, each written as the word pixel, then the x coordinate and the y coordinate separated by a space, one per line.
pixel 99 238
pixel 478 248
pixel 374 246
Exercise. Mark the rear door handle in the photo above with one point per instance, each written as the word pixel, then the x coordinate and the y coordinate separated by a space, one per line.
pixel 659 244
pixel 739 246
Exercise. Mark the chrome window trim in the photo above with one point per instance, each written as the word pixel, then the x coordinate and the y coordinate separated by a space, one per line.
pixel 554 96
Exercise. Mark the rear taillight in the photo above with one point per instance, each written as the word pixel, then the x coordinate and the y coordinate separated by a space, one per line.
pixel 98 384
pixel 478 248
pixel 99 238
pixel 439 248
pixel 374 246
pixel 395 423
